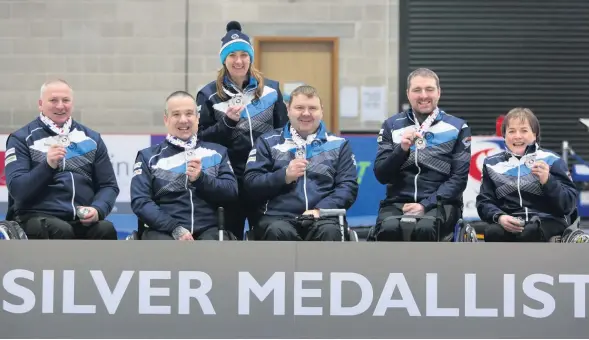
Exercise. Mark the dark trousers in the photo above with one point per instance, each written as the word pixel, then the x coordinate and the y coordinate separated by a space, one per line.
pixel 211 234
pixel 388 227
pixel 532 232
pixel 237 213
pixel 40 226
pixel 274 228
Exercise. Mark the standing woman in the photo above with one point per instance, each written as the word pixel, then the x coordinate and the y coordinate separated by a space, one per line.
pixel 235 109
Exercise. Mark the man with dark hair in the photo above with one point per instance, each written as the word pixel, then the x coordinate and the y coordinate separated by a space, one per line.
pixel 178 184
pixel 59 173
pixel 423 155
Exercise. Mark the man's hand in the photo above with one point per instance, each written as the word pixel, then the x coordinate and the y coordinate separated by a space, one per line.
pixel 542 170
pixel 413 209
pixel 510 224
pixel 186 237
pixel 234 112
pixel 296 168
pixel 90 217
pixel 313 212
pixel 408 137
pixel 193 169
pixel 55 155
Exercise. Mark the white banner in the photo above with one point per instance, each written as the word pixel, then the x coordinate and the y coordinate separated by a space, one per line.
pixel 481 147
pixel 122 150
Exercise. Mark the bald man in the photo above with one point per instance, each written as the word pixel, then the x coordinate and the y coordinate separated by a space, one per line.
pixel 59 174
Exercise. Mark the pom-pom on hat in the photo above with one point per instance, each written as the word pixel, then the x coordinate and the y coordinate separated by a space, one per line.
pixel 235 40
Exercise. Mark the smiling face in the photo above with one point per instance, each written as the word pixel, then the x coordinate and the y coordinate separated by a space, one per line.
pixel 56 102
pixel 238 65
pixel 181 118
pixel 423 94
pixel 305 113
pixel 518 135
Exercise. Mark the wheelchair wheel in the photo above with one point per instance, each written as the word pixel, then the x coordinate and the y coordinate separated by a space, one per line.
pixel 353 235
pixel 10 230
pixel 577 236
pixel 4 234
pixel 132 236
pixel 468 234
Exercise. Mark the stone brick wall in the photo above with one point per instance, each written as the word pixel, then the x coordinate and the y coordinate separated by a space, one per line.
pixel 123 57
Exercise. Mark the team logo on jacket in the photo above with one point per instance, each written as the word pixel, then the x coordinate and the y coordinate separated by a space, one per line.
pixel 234 36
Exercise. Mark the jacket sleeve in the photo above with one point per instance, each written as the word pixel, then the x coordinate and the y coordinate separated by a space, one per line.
pixel 260 181
pixel 209 129
pixel 389 156
pixel 280 112
pixel 561 189
pixel 346 182
pixel 24 183
pixel 454 187
pixel 221 189
pixel 105 182
pixel 142 201
pixel 486 202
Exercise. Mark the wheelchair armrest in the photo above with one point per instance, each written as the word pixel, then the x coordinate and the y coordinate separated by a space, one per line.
pixel 332 212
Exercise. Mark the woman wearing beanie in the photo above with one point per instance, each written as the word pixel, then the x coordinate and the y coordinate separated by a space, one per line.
pixel 235 109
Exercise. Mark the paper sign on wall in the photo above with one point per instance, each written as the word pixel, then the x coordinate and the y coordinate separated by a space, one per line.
pixel 348 102
pixel 373 103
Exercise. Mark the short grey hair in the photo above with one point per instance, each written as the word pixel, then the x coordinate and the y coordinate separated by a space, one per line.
pixel 180 93
pixel 51 82
pixel 423 72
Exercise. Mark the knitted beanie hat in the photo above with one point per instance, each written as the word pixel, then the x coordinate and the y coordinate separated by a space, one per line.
pixel 235 40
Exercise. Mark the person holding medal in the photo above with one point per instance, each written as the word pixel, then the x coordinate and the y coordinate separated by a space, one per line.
pixel 522 182
pixel 178 185
pixel 298 170
pixel 423 155
pixel 236 108
pixel 59 174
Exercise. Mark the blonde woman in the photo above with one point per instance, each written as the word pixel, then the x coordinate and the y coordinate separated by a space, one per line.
pixel 235 109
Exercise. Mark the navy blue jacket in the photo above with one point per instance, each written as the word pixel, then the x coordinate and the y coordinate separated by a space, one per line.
pixel 419 176
pixel 258 117
pixel 330 181
pixel 86 178
pixel 163 197
pixel 509 187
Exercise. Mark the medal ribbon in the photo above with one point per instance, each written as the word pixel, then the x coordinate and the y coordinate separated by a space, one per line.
pixel 427 123
pixel 190 144
pixel 64 130
pixel 60 131
pixel 301 142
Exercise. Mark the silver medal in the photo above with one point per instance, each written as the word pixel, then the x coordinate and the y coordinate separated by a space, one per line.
pixel 190 154
pixel 420 143
pixel 530 162
pixel 63 140
pixel 238 99
pixel 82 212
pixel 300 154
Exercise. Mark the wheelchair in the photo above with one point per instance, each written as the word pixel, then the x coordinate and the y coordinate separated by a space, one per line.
pixel 462 232
pixel 141 226
pixel 348 234
pixel 573 233
pixel 10 229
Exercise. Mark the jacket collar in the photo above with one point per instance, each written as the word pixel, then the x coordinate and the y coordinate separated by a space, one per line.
pixel 409 115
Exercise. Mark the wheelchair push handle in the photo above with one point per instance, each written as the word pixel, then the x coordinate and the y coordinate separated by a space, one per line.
pixel 332 212
pixel 221 222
